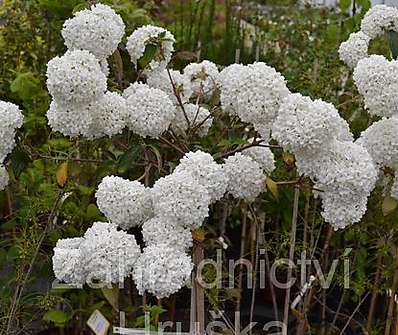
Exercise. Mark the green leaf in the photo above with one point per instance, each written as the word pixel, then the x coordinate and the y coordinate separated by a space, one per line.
pixel 92 212
pixel 272 187
pixel 149 54
pixel 112 296
pixel 58 317
pixel 19 161
pixel 393 41
pixel 389 205
pixel 344 5
pixel 26 85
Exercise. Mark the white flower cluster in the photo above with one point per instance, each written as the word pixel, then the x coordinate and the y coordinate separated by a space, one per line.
pixel 155 37
pixel 199 118
pixel 81 105
pixel 306 126
pixel 104 254
pixel 162 270
pixel 11 119
pixel 162 231
pixel 345 175
pixel 380 19
pixel 67 261
pixel 245 176
pixel 381 141
pixel 254 93
pixel 321 140
pixel 206 171
pixel 375 78
pixel 181 198
pixel 182 85
pixel 98 30
pixel 125 203
pixel 263 156
pixel 4 178
pixel 150 110
pixel 377 21
pixel 354 49
pixel 203 77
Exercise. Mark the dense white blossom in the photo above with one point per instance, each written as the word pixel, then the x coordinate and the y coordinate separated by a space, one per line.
pixel 231 79
pixel 150 110
pixel 104 117
pixel 206 171
pixel 4 178
pixel 260 95
pixel 161 80
pixel 104 67
pixel 109 254
pixel 75 78
pixel 161 231
pixel 68 261
pixel 381 141
pixel 245 176
pixel 263 156
pixel 157 37
pixel 98 30
pixel 376 80
pixel 380 19
pixel 307 125
pixel 354 49
pixel 346 174
pixel 11 118
pixel 199 119
pixel 180 197
pixel 125 203
pixel 162 270
pixel 203 78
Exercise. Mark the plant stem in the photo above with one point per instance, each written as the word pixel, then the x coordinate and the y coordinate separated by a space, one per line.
pixel 291 254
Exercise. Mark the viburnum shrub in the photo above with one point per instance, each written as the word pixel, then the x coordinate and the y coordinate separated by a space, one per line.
pixel 177 108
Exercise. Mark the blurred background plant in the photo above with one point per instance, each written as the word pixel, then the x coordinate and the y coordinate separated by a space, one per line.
pixel 301 42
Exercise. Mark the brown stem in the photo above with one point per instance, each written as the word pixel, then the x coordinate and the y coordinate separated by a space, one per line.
pixel 242 253
pixel 291 254
pixel 391 303
pixel 375 289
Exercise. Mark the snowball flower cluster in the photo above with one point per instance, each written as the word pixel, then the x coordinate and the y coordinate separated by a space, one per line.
pixel 68 260
pixel 162 231
pixel 125 203
pixel 11 119
pixel 206 171
pixel 98 30
pixel 81 105
pixel 380 19
pixel 245 176
pixel 381 141
pixel 162 270
pixel 231 80
pixel 104 254
pixel 377 21
pixel 254 93
pixel 354 49
pixel 375 78
pixel 150 110
pixel 75 78
pixel 161 80
pixel 263 156
pixel 180 197
pixel 194 117
pixel 306 125
pixel 203 78
pixel 151 36
pixel 4 178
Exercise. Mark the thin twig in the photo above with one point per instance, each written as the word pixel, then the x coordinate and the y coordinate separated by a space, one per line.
pixel 291 253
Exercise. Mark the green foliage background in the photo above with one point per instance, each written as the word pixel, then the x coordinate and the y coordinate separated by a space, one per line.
pixel 301 44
